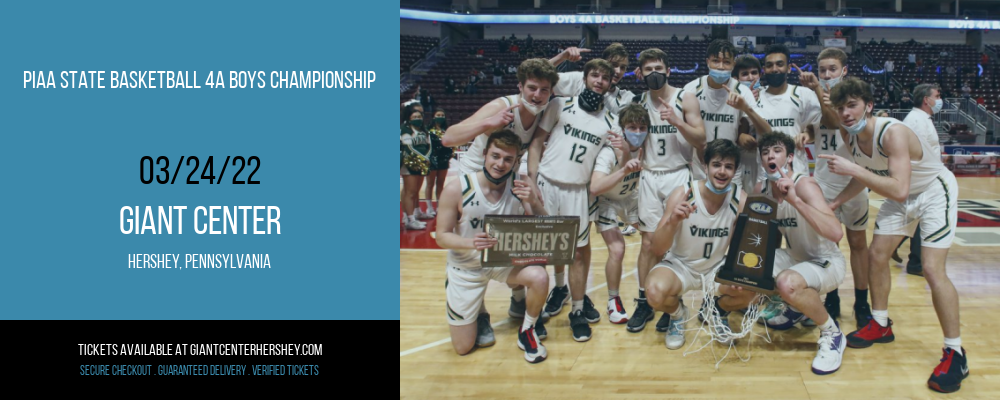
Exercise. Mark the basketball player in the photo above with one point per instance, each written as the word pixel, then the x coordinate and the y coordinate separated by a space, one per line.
pixel 579 128
pixel 789 109
pixel 519 113
pixel 464 204
pixel 694 234
pixel 723 101
pixel 572 83
pixel 853 214
pixel 747 71
pixel 894 162
pixel 614 182
pixel 812 262
pixel 675 131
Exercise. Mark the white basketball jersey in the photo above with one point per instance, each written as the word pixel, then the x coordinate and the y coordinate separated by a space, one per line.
pixel 702 239
pixel 665 149
pixel 790 113
pixel 607 162
pixel 574 141
pixel 721 120
pixel 803 242
pixel 828 141
pixel 923 172
pixel 571 84
pixel 472 159
pixel 475 207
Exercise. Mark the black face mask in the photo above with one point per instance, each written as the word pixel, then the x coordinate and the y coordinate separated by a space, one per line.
pixel 440 121
pixel 493 180
pixel 775 79
pixel 655 80
pixel 590 100
pixel 417 123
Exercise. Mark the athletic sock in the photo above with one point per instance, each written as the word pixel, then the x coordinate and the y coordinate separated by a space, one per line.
pixel 954 343
pixel 560 279
pixel 881 316
pixel 529 321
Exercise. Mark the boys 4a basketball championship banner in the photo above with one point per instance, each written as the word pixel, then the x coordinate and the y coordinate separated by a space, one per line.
pixel 530 240
pixel 750 260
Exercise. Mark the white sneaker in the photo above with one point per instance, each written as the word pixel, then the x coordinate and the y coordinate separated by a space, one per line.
pixel 675 334
pixel 430 211
pixel 413 224
pixel 830 353
pixel 616 311
pixel 628 230
pixel 420 214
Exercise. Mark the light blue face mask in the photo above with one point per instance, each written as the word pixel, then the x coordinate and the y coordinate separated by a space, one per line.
pixel 719 76
pixel 747 85
pixel 938 105
pixel 712 188
pixel 858 127
pixel 635 139
pixel 774 176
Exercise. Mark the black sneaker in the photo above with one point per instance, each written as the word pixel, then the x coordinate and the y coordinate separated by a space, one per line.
pixel 529 341
pixel 643 313
pixel 862 313
pixel 580 326
pixel 593 316
pixel 917 270
pixel 517 308
pixel 832 304
pixel 554 304
pixel 948 375
pixel 540 330
pixel 663 323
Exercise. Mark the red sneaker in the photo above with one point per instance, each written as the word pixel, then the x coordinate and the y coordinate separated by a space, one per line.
pixel 870 334
pixel 948 375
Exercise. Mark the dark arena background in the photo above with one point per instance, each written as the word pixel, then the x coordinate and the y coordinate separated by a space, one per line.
pixel 893 45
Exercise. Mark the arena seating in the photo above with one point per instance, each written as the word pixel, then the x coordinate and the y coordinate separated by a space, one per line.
pixel 688 59
pixel 934 68
pixel 411 48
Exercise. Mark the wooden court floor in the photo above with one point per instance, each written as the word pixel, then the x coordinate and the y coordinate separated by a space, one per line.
pixel 618 364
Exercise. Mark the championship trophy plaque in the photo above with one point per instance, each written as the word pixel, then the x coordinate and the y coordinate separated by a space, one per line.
pixel 750 260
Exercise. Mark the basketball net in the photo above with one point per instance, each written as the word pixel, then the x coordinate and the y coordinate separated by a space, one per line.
pixel 715 331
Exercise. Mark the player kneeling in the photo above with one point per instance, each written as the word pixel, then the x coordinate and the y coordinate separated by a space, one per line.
pixel 812 262
pixel 463 205
pixel 694 234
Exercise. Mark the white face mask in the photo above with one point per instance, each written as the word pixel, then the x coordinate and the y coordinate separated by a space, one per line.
pixel 531 107
pixel 938 105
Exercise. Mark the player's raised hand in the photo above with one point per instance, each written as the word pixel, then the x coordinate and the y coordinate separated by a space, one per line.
pixel 502 118
pixel 839 165
pixel 634 164
pixel 801 140
pixel 807 79
pixel 615 140
pixel 735 100
pixel 574 53
pixel 667 113
pixel 684 209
